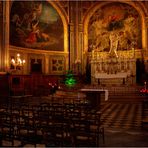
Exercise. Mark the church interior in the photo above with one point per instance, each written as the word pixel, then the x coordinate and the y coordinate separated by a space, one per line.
pixel 74 73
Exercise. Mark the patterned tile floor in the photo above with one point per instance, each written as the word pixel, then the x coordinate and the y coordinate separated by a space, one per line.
pixel 122 122
pixel 122 115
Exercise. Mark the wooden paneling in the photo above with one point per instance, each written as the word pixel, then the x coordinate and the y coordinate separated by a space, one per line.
pixel 34 84
pixel 4 86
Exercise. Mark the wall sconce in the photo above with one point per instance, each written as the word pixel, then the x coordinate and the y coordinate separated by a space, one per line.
pixel 17 63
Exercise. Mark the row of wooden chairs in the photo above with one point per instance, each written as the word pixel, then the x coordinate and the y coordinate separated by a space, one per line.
pixel 144 120
pixel 51 124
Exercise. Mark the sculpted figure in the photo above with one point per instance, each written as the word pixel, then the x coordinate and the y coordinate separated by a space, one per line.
pixel 113 37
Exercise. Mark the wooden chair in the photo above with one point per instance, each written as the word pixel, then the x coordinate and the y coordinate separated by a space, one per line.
pixel 29 127
pixel 96 126
pixel 144 121
pixel 10 130
pixel 81 134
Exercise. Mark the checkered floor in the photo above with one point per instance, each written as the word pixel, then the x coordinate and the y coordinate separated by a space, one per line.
pixel 122 115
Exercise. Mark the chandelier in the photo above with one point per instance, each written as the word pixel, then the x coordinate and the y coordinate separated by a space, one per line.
pixel 17 63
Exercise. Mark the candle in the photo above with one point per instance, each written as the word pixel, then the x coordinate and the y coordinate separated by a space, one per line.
pixel 92 54
pixel 145 85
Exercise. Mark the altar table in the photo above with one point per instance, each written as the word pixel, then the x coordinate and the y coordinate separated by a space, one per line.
pixel 93 95
pixel 111 76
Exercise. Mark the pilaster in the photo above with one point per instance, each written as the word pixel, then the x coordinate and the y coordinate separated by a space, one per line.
pixel 4 33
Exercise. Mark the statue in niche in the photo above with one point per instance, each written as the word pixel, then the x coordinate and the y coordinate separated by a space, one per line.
pixel 113 44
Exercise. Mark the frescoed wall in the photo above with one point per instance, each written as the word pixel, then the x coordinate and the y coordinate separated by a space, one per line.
pixel 36 25
pixel 117 22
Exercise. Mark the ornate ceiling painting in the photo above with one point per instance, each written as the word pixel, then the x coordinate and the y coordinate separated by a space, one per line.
pixel 36 25
pixel 119 19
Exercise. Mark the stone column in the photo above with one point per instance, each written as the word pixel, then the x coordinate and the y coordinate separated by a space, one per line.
pixel 71 34
pixel 4 36
pixel 1 33
pixel 47 64
pixel 146 50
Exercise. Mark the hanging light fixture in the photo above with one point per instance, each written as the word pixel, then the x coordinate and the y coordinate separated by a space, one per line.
pixel 18 62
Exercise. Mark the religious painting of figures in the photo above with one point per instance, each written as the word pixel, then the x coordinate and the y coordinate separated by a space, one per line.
pixel 116 24
pixel 36 25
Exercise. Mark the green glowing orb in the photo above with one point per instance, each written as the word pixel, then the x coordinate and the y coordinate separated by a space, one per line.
pixel 70 80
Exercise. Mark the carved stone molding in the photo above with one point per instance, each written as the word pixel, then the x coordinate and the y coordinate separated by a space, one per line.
pixel 146 22
pixel 65 5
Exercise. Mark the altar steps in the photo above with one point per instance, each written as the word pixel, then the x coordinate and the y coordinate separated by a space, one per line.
pixel 125 94
pixel 126 98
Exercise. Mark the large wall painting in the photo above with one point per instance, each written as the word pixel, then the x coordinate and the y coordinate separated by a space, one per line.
pixel 36 25
pixel 116 22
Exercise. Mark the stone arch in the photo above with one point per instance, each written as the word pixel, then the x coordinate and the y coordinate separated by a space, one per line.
pixel 136 5
pixel 64 18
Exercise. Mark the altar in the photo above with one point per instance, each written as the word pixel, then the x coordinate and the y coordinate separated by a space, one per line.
pixel 113 69
pixel 93 96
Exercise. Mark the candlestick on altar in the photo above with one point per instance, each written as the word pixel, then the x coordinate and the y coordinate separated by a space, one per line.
pixel 145 85
pixel 92 54
pixel 133 52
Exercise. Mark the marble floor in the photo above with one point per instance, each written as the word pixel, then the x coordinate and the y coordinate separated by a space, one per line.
pixel 122 122
pixel 119 137
pixel 122 115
